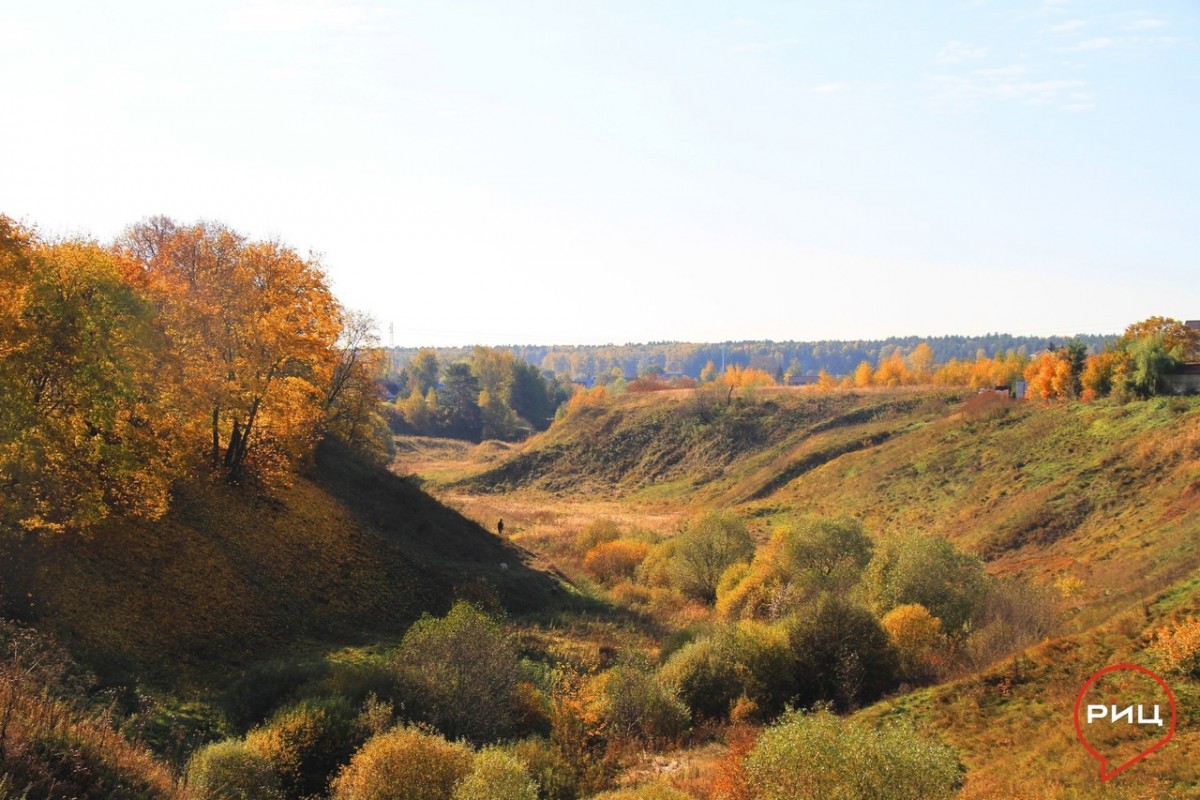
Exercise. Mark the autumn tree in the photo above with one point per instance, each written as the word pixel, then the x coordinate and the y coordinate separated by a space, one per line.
pixel 83 431
pixel 1177 338
pixel 892 370
pixel 255 326
pixel 916 634
pixel 15 272
pixel 1050 376
pixel 863 375
pixel 416 412
pixel 746 377
pixel 920 363
pixel 353 395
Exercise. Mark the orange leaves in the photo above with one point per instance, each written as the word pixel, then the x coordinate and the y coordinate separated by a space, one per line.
pixel 1177 647
pixel 586 397
pixel 611 561
pixel 1049 377
pixel 254 325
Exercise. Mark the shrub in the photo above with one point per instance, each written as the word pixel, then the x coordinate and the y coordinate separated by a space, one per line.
pixel 826 554
pixel 1177 647
pixel 1013 616
pixel 821 757
pixel 230 770
pixel 403 764
pixel 916 634
pixel 655 569
pixel 553 774
pixel 305 743
pixel 640 707
pixel 461 673
pixel 612 561
pixel 710 545
pixel 598 531
pixel 495 775
pixel 713 672
pixel 843 654
pixel 925 569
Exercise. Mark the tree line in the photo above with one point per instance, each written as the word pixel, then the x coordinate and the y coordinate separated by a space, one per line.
pixel 588 363
pixel 173 350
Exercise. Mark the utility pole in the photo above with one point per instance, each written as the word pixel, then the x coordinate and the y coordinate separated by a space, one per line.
pixel 391 347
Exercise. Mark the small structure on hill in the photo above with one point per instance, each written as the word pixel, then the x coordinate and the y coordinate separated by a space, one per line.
pixel 1184 380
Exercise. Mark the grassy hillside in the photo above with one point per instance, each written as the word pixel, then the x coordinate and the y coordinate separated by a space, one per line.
pixel 347 553
pixel 1106 494
pixel 1101 501
pixel 670 445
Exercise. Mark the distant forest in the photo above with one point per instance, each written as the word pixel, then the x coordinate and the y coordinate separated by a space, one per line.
pixel 839 358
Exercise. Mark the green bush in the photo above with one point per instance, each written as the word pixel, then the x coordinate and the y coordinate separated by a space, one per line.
pixel 713 672
pixel 460 673
pixel 229 770
pixel 655 569
pixel 926 569
pixel 710 545
pixel 305 743
pixel 496 775
pixel 639 706
pixel 842 654
pixel 821 757
pixel 268 685
pixel 827 554
pixel 403 764
pixel 794 567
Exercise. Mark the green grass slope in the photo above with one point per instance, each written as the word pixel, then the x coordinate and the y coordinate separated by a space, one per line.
pixel 347 553
pixel 1105 494
pixel 669 445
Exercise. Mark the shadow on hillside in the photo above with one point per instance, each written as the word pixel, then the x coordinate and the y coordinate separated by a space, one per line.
pixel 441 543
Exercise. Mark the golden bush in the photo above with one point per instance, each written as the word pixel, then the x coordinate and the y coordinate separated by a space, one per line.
pixel 612 561
pixel 404 764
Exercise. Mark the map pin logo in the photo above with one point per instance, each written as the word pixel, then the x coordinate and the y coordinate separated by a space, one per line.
pixel 1101 721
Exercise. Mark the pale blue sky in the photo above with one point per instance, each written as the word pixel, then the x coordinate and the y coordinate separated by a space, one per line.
pixel 629 171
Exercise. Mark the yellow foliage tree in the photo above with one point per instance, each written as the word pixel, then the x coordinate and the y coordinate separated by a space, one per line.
pixel 746 377
pixel 892 370
pixel 1049 377
pixel 255 328
pixel 920 364
pixel 863 375
pixel 84 430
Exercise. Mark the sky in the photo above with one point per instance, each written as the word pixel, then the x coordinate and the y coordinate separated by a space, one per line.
pixel 564 172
